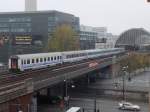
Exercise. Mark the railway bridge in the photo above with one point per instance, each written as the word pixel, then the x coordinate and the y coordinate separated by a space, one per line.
pixel 18 91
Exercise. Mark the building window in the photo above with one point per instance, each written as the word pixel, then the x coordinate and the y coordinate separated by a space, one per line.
pixel 19 30
pixel 20 24
pixel 4 25
pixel 4 19
pixel 4 30
pixel 23 19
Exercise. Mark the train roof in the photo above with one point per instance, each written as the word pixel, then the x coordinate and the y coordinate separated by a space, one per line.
pixel 91 50
pixel 108 49
pixel 35 55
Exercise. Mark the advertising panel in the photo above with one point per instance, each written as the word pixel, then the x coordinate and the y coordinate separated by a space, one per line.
pixel 23 40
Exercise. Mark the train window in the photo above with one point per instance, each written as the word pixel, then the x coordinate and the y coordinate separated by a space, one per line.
pixel 28 61
pixel 55 58
pixel 52 58
pixel 72 56
pixel 75 55
pixel 58 57
pixel 37 60
pixel 44 59
pixel 24 61
pixel 41 59
pixel 48 58
pixel 32 60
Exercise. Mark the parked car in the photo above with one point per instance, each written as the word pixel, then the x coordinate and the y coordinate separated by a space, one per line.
pixel 128 106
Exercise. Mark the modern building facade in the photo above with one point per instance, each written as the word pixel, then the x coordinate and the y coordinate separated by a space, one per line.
pixel 28 32
pixel 101 31
pixel 30 5
pixel 88 37
pixel 108 42
pixel 134 39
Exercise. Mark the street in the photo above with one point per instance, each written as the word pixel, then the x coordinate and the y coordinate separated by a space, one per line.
pixel 86 101
pixel 104 105
pixel 140 82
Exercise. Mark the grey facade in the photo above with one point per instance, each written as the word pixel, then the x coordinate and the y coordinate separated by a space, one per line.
pixel 28 32
pixel 88 40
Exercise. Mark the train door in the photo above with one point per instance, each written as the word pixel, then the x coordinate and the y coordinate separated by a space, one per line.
pixel 14 63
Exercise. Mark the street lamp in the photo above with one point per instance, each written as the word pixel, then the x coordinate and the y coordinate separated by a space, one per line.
pixel 123 79
pixel 66 93
pixel 66 96
pixel 95 104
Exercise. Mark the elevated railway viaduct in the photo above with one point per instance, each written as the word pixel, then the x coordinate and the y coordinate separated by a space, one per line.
pixel 17 90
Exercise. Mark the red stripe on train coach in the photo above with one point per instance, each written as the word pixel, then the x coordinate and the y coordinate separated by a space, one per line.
pixel 93 64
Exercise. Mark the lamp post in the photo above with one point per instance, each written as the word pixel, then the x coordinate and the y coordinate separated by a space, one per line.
pixel 123 87
pixel 66 96
pixel 123 79
pixel 66 93
pixel 95 103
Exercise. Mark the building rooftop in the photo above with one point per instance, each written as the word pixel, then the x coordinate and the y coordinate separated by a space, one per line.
pixel 34 12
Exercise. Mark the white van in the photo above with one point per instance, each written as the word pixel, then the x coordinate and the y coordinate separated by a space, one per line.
pixel 74 109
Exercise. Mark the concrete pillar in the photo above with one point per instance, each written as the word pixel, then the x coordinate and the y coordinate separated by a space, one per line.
pixel 22 103
pixel 33 107
pixel 88 79
pixel 48 92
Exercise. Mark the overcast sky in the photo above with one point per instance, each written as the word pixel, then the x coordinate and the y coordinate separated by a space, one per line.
pixel 116 15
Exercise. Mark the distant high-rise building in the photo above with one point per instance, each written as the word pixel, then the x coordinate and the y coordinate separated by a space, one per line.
pixel 30 5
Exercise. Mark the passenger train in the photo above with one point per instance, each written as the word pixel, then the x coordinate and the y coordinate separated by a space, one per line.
pixel 40 60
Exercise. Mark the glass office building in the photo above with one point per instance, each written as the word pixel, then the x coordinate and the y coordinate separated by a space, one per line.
pixel 28 32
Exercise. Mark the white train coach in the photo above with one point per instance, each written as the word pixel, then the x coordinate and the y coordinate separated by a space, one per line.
pixel 42 60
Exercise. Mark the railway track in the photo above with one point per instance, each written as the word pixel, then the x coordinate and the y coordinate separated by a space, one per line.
pixel 43 73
